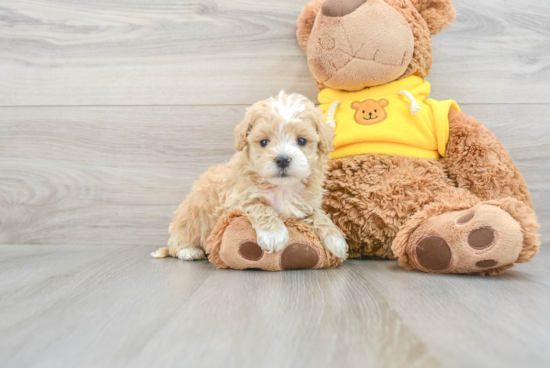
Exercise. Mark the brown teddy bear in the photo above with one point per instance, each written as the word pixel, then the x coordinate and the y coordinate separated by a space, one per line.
pixel 410 178
pixel 428 185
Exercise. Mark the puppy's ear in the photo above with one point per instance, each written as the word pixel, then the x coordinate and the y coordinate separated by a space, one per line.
pixel 241 132
pixel 306 20
pixel 438 14
pixel 326 135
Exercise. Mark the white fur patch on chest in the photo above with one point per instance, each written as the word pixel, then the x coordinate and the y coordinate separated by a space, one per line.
pixel 288 201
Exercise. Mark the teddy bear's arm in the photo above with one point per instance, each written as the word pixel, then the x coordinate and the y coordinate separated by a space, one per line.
pixel 478 162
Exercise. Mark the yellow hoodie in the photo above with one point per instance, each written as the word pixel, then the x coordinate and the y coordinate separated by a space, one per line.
pixel 393 119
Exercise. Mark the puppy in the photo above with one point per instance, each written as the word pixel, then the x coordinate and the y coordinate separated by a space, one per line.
pixel 282 146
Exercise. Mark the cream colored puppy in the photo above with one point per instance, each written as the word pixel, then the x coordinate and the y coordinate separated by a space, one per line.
pixel 283 145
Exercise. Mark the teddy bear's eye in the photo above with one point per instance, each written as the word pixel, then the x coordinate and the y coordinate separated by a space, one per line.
pixel 264 143
pixel 363 111
pixel 302 141
pixel 374 110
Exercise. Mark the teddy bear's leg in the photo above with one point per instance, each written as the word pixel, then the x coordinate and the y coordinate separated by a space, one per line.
pixel 233 244
pixel 370 197
pixel 459 233
pixel 478 162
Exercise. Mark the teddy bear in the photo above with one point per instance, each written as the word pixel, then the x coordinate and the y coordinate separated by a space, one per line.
pixel 410 178
pixel 428 184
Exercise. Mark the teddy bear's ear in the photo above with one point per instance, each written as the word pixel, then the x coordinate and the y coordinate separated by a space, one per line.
pixel 355 105
pixel 438 14
pixel 306 20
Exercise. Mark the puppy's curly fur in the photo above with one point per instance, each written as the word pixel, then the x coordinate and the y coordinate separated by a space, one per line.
pixel 278 172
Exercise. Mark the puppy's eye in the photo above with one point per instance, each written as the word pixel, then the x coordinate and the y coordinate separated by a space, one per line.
pixel 302 141
pixel 264 143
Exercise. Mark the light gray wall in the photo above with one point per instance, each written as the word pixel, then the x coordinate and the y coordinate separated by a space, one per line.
pixel 110 110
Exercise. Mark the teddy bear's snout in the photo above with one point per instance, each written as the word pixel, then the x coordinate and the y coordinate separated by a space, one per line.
pixel 359 43
pixel 340 8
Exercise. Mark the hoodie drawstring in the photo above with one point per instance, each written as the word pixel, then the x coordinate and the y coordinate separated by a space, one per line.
pixel 331 122
pixel 415 107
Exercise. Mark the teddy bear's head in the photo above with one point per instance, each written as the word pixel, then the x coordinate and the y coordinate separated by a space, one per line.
pixel 354 44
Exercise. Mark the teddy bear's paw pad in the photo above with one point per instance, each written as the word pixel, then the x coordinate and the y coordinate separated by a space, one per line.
pixel 470 241
pixel 433 253
pixel 464 219
pixel 488 263
pixel 299 256
pixel 481 238
pixel 251 251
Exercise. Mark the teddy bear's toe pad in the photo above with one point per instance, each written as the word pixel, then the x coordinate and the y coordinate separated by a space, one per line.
pixel 251 251
pixel 299 256
pixel 488 263
pixel 481 238
pixel 434 253
pixel 467 241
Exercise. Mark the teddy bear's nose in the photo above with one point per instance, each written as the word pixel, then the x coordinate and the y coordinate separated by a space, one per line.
pixel 339 8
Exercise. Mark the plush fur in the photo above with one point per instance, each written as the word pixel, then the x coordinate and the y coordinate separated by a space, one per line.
pixel 438 14
pixel 387 206
pixel 278 172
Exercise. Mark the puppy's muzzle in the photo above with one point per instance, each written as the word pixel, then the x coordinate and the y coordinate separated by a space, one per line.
pixel 283 161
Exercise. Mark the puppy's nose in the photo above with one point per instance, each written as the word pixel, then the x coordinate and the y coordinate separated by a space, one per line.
pixel 339 8
pixel 282 161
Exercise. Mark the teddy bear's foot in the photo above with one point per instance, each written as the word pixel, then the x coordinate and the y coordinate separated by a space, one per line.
pixel 233 244
pixel 484 239
pixel 294 256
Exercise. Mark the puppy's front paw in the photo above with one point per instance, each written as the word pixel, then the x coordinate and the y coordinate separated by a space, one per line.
pixel 273 241
pixel 336 244
pixel 190 254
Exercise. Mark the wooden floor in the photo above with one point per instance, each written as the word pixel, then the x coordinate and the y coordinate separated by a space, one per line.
pixel 101 306
pixel 110 110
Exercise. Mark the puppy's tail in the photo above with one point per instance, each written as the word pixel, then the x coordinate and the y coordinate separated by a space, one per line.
pixel 161 253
